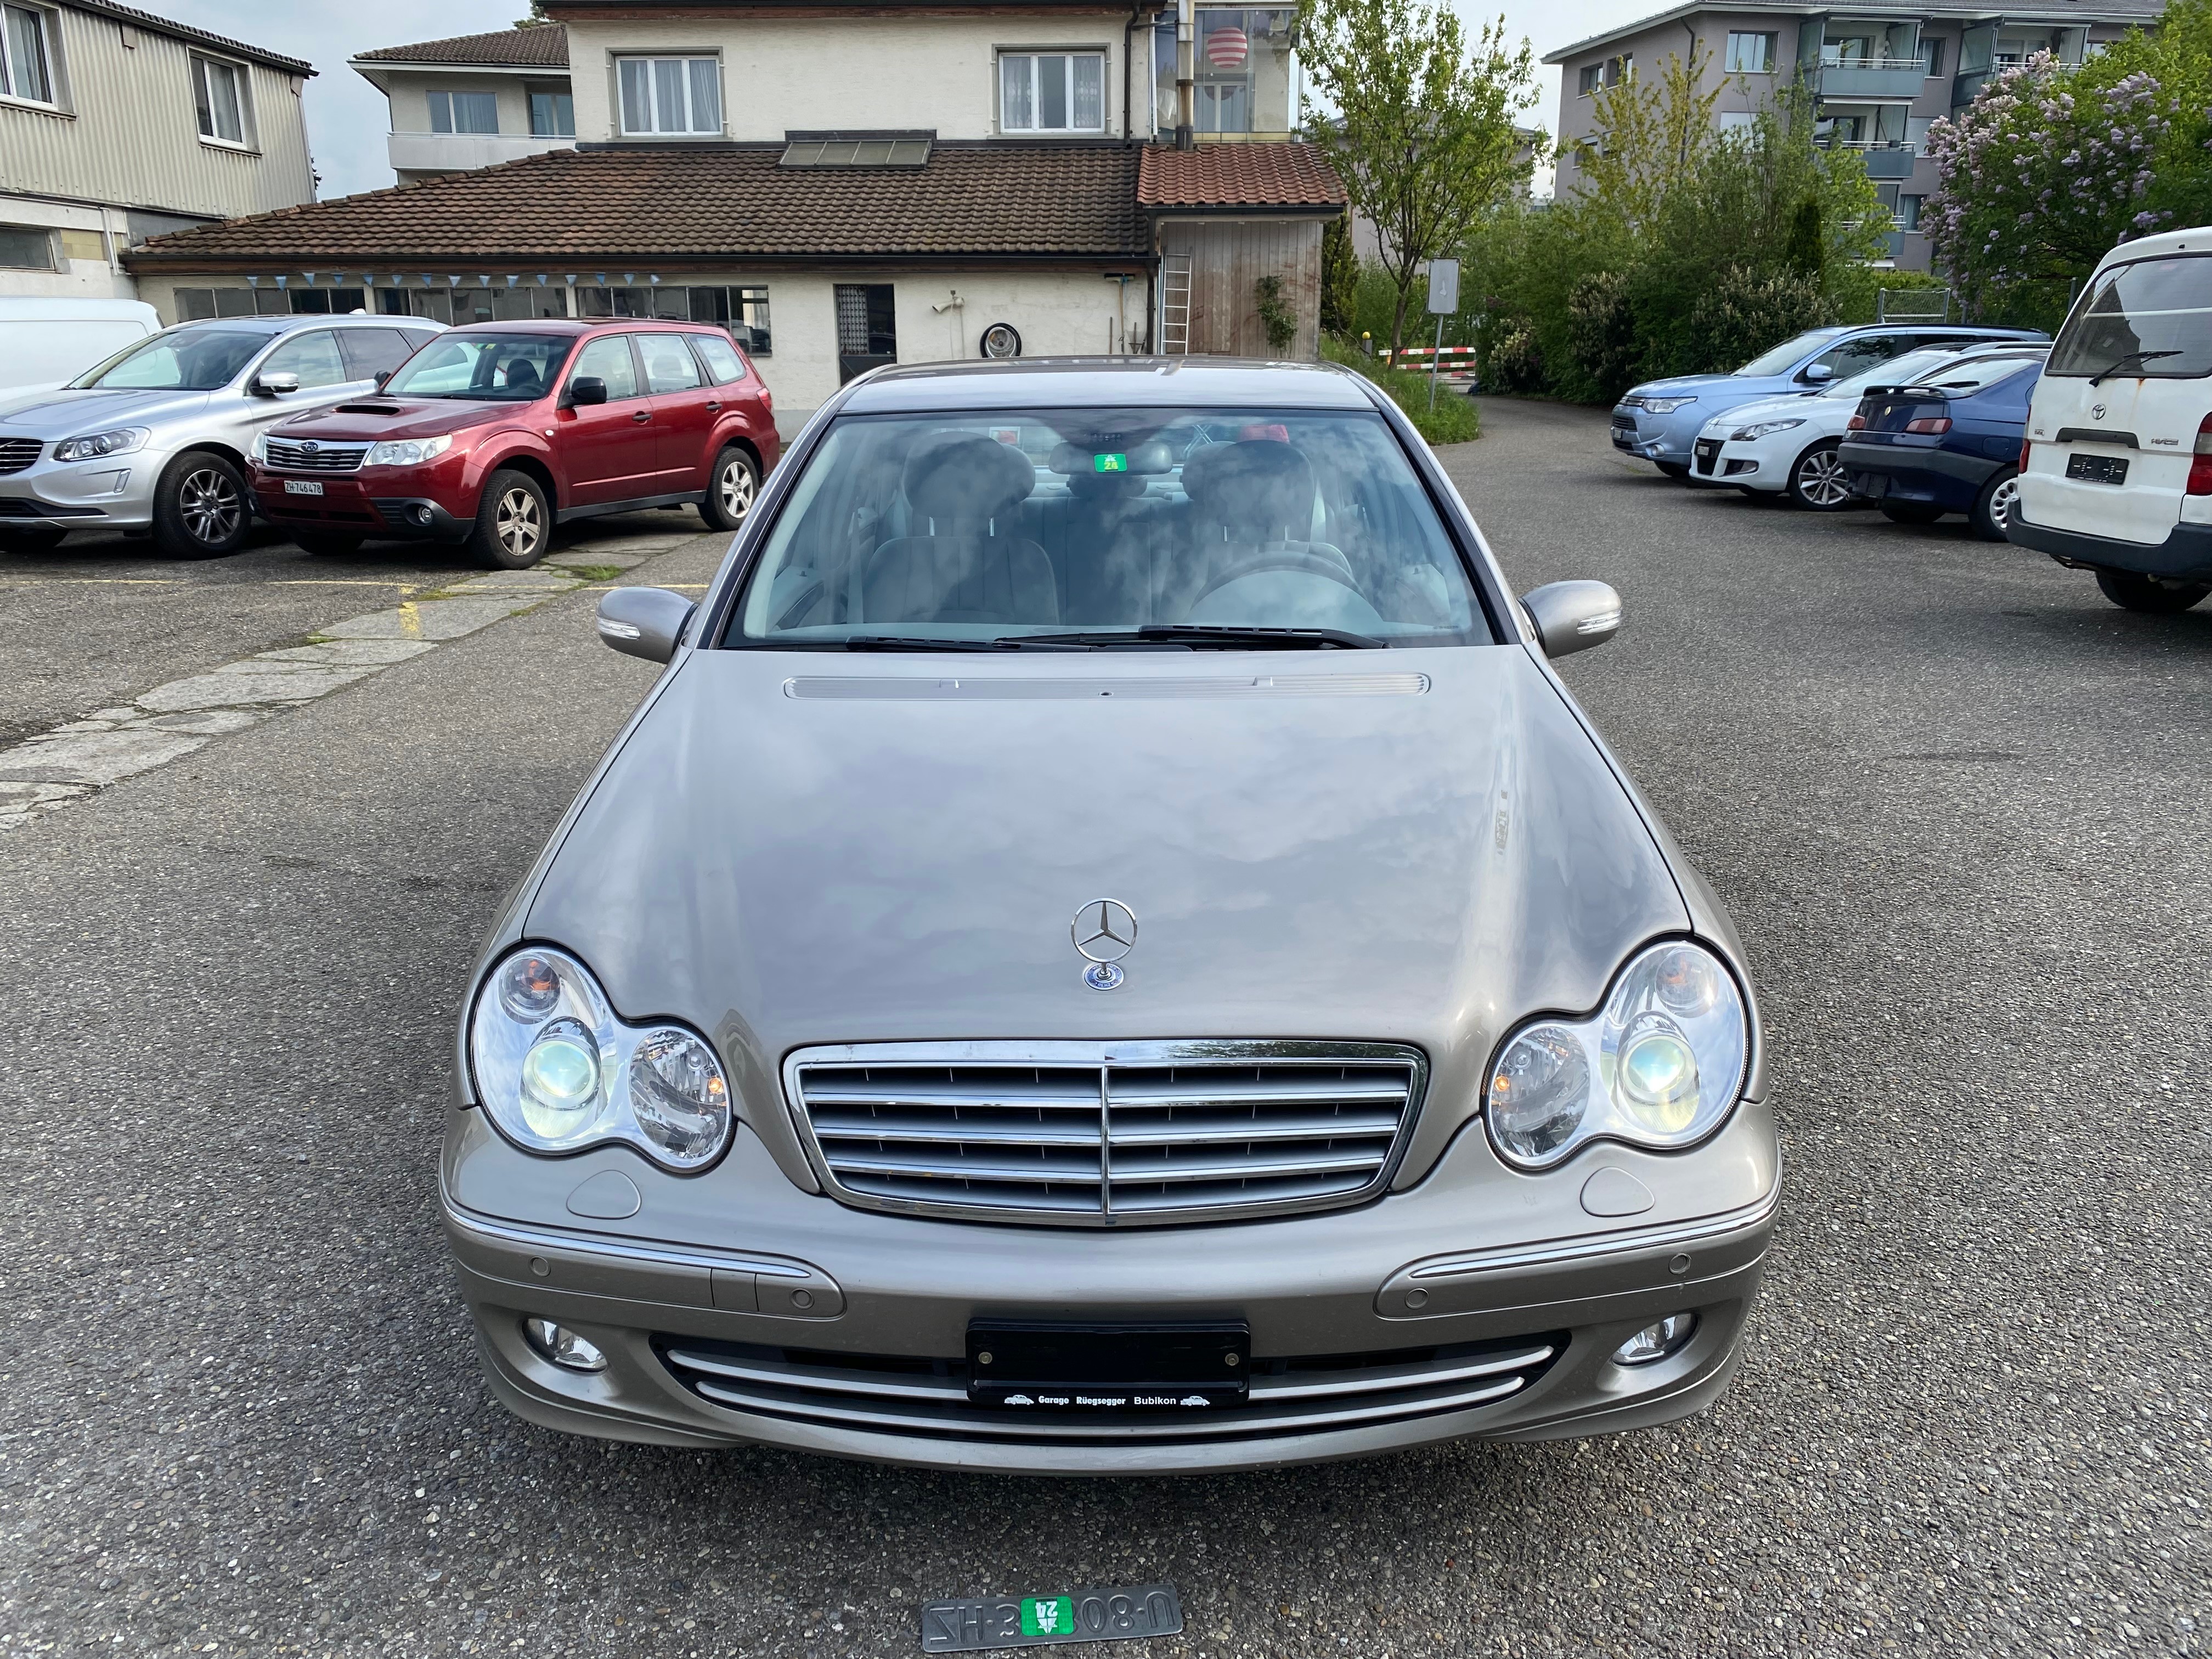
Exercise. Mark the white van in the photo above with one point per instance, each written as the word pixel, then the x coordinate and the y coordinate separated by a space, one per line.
pixel 48 343
pixel 2115 476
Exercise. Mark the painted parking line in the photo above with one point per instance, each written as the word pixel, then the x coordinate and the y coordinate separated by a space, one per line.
pixel 78 759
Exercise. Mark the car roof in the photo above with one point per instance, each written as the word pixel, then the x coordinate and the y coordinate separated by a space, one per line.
pixel 273 326
pixel 2196 239
pixel 1092 382
pixel 580 324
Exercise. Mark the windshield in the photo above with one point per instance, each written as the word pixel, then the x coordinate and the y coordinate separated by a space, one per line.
pixel 1781 356
pixel 493 367
pixel 182 359
pixel 1120 526
pixel 1973 374
pixel 2152 318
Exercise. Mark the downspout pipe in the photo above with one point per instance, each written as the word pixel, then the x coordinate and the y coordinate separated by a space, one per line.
pixel 1186 76
pixel 1128 67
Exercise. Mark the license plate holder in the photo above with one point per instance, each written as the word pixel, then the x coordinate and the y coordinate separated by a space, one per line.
pixel 2097 469
pixel 1107 1366
pixel 303 487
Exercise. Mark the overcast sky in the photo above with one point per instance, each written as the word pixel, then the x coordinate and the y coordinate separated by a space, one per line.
pixel 347 119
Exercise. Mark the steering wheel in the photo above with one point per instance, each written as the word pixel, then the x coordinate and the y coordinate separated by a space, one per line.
pixel 1281 558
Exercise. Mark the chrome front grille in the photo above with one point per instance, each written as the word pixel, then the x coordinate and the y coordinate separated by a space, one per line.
pixel 1074 1134
pixel 17 454
pixel 315 457
pixel 929 1397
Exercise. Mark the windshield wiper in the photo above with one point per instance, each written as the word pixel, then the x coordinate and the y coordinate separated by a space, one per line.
pixel 1205 637
pixel 916 643
pixel 2138 358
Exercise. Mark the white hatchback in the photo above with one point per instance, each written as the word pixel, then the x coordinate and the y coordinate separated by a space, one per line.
pixel 2115 476
pixel 1787 444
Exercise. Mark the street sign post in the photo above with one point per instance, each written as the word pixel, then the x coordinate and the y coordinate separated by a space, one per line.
pixel 1444 300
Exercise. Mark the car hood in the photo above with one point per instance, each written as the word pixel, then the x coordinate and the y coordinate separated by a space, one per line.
pixel 1685 385
pixel 72 414
pixel 1419 846
pixel 376 417
pixel 1780 408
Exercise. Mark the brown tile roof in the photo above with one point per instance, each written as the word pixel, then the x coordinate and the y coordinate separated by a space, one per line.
pixel 544 46
pixel 1237 176
pixel 727 204
pixel 147 20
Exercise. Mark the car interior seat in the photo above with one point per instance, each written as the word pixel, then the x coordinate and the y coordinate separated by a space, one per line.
pixel 964 559
pixel 1252 514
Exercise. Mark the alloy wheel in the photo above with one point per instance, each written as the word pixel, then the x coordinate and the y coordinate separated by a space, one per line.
pixel 518 525
pixel 1822 479
pixel 209 505
pixel 2001 501
pixel 737 488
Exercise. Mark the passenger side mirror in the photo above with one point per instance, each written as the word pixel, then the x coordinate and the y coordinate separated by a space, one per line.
pixel 382 375
pixel 274 385
pixel 645 622
pixel 1816 372
pixel 586 389
pixel 1570 616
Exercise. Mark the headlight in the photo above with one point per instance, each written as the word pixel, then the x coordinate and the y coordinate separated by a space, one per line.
pixel 557 1072
pixel 1666 405
pixel 99 445
pixel 409 451
pixel 259 450
pixel 1765 427
pixel 1659 1065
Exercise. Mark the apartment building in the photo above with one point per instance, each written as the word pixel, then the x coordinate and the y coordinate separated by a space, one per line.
pixel 116 125
pixel 840 186
pixel 1881 73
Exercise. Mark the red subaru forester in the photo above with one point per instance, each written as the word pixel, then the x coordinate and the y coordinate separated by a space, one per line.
pixel 492 434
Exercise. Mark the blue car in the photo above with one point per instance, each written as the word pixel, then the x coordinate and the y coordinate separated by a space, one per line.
pixel 1659 420
pixel 1949 446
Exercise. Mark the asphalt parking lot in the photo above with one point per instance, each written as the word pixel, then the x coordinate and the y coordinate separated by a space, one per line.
pixel 1960 807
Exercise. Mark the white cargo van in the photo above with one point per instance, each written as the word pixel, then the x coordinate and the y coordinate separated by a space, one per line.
pixel 48 343
pixel 2116 475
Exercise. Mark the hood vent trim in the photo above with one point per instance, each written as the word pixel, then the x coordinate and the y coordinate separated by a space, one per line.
pixel 946 688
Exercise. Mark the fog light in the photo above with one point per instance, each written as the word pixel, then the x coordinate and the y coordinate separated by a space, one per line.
pixel 420 512
pixel 565 1348
pixel 1650 1344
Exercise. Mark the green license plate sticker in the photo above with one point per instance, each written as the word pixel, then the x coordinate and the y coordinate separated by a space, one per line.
pixel 1033 1621
pixel 1110 463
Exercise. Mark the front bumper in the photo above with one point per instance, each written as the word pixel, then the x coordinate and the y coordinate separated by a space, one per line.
pixel 1938 477
pixel 1751 465
pixel 351 504
pixel 115 493
pixel 1427 1316
pixel 1653 437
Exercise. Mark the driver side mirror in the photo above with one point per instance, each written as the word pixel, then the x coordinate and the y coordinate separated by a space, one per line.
pixel 382 375
pixel 584 390
pixel 644 621
pixel 1570 616
pixel 1816 372
pixel 274 385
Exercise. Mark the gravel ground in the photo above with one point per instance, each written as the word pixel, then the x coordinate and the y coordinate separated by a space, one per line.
pixel 1958 804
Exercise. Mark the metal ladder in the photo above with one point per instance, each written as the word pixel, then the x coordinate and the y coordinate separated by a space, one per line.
pixel 1175 305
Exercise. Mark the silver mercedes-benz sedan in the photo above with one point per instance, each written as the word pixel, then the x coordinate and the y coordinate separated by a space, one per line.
pixel 1108 949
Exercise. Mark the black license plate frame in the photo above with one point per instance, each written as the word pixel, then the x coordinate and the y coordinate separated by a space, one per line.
pixel 2097 469
pixel 303 486
pixel 1094 1366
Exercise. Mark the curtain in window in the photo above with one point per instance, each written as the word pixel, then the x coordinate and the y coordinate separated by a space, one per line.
pixel 1017 75
pixel 25 72
pixel 1089 93
pixel 636 94
pixel 705 96
pixel 476 111
pixel 219 106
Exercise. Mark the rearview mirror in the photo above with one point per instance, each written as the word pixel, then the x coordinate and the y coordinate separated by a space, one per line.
pixel 645 622
pixel 1571 616
pixel 587 389
pixel 275 385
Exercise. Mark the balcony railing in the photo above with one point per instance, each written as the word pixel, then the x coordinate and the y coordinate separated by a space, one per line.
pixel 1873 78
pixel 460 152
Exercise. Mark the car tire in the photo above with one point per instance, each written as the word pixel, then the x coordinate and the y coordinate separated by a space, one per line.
pixel 1673 469
pixel 1911 512
pixel 318 542
pixel 731 489
pixel 31 538
pixel 1817 481
pixel 1987 515
pixel 515 524
pixel 2132 592
pixel 199 508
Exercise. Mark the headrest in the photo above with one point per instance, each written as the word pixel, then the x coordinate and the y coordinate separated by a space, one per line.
pixel 961 477
pixel 521 372
pixel 1259 484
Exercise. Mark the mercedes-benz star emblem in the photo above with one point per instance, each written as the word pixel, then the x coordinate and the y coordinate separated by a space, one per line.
pixel 1104 931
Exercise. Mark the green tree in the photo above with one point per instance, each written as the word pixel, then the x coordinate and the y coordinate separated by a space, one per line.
pixel 1340 277
pixel 1652 136
pixel 1421 125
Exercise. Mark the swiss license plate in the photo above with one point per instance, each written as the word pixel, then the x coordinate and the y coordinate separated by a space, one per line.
pixel 1708 453
pixel 1107 1367
pixel 302 487
pixel 2097 469
pixel 1035 1621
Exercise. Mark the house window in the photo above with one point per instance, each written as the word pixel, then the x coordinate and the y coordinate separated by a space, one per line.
pixel 464 112
pixel 1741 122
pixel 1851 52
pixel 1931 56
pixel 1589 79
pixel 25 66
pixel 25 247
pixel 742 311
pixel 219 90
pixel 552 113
pixel 1750 54
pixel 1052 92
pixel 670 94
pixel 1908 212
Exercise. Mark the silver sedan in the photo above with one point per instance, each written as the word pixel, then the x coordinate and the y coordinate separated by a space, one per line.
pixel 1110 949
pixel 154 439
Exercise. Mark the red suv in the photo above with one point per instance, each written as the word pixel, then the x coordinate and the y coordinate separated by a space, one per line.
pixel 493 434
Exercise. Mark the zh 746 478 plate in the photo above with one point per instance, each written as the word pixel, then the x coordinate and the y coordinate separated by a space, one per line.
pixel 1035 1621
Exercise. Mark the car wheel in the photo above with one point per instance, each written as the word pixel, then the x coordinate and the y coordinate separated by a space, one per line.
pixel 1911 512
pixel 325 541
pixel 2132 592
pixel 199 508
pixel 1673 469
pixel 731 490
pixel 514 523
pixel 1818 481
pixel 1994 505
pixel 31 538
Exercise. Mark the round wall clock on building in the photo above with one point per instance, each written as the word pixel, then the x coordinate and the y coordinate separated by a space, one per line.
pixel 1001 340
